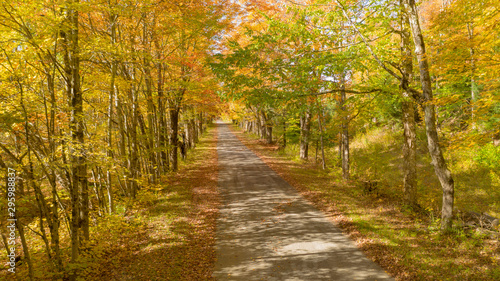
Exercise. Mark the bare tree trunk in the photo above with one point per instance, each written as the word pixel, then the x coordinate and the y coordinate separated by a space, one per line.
pixel 187 133
pixel 151 156
pixel 316 152
pixel 193 126
pixel 96 178
pixel 43 206
pixel 122 127
pixel 438 161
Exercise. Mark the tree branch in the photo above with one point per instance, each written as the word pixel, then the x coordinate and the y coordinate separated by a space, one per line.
pixel 339 90
pixel 366 42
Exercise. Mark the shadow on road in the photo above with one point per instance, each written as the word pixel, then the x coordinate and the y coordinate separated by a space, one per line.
pixel 267 231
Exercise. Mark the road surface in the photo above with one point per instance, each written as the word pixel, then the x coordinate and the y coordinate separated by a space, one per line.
pixel 267 231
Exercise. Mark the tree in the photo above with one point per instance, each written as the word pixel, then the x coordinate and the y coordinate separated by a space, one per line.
pixel 438 161
pixel 425 99
pixel 89 82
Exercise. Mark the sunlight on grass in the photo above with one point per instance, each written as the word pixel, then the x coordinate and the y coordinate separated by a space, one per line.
pixel 378 137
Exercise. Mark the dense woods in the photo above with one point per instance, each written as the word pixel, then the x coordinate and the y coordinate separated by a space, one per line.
pixel 358 65
pixel 99 101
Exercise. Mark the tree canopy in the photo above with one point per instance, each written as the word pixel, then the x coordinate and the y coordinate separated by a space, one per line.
pixel 100 99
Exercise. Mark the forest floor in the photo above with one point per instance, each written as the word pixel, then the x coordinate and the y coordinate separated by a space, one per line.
pixel 407 244
pixel 169 233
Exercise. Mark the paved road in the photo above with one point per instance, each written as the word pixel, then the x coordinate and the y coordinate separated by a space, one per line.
pixel 267 231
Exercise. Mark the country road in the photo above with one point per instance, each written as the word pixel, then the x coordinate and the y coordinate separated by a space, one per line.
pixel 267 231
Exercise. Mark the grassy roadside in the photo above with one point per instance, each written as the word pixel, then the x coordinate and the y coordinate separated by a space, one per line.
pixel 169 233
pixel 407 245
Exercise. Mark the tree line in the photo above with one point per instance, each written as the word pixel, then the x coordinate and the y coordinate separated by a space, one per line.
pixel 99 100
pixel 357 64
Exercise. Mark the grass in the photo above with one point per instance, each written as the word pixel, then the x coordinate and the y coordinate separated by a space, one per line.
pixel 407 244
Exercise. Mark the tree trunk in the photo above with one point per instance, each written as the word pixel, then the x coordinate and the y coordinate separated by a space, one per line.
pixel 122 126
pixel 174 139
pixel 409 154
pixel 54 226
pixel 267 128
pixel 200 124
pixel 320 115
pixel 27 256
pixel 79 189
pixel 112 95
pixel 339 138
pixel 344 131
pixel 435 151
pixel 263 126
pixel 162 125
pixel 284 131
pixel 150 141
pixel 258 124
pixel 305 128
pixel 5 243
pixel 134 152
pixel 192 129
pixel 42 204
pixel 470 32
pixel 269 133
pixel 409 126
